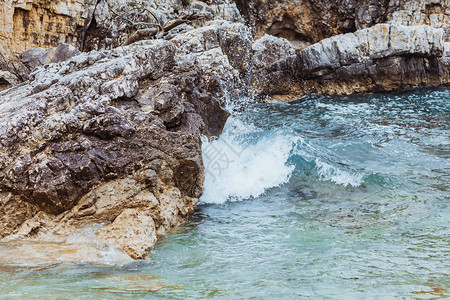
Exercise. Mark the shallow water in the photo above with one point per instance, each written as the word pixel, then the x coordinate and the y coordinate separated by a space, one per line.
pixel 324 198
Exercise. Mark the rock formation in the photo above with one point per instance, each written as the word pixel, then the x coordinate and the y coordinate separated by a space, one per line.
pixel 92 25
pixel 27 24
pixel 346 47
pixel 305 22
pixel 384 57
pixel 112 138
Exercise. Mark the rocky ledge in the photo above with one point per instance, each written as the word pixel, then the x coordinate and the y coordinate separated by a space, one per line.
pixel 381 58
pixel 111 139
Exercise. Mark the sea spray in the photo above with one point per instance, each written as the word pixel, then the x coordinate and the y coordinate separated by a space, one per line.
pixel 245 161
pixel 241 164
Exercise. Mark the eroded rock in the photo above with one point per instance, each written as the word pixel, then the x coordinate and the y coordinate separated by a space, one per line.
pixel 305 22
pixel 37 57
pixel 133 230
pixel 384 57
pixel 27 24
pixel 112 138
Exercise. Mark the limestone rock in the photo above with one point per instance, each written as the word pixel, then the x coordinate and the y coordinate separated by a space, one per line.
pixel 268 51
pixel 38 56
pixel 115 21
pixel 134 230
pixel 92 24
pixel 380 41
pixel 384 57
pixel 101 138
pixel 305 22
pixel 27 24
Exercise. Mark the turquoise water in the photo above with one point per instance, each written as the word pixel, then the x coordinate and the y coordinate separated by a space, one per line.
pixel 323 198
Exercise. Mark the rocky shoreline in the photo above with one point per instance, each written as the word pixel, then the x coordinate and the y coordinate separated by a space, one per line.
pixel 381 58
pixel 111 138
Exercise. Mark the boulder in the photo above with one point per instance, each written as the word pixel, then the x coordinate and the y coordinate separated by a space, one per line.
pixel 37 57
pixel 133 230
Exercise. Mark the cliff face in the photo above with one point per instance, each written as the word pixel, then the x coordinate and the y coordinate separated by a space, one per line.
pixel 345 47
pixel 304 22
pixel 91 24
pixel 381 58
pixel 27 24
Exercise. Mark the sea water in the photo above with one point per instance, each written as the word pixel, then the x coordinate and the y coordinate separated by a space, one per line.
pixel 322 198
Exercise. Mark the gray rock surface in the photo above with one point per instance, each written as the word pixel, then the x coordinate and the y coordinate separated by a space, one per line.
pixel 37 57
pixel 384 57
pixel 115 21
pixel 379 41
pixel 266 80
pixel 95 138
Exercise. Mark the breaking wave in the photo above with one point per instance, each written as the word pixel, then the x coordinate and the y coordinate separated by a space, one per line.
pixel 246 161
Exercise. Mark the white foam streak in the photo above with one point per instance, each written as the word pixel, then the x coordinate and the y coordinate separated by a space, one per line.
pixel 327 171
pixel 245 161
pixel 338 176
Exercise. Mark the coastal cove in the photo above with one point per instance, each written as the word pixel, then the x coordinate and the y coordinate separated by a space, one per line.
pixel 230 149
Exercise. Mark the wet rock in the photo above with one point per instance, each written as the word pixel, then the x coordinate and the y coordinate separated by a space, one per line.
pixel 268 51
pixel 133 230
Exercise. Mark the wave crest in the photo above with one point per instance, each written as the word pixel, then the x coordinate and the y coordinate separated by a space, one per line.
pixel 246 161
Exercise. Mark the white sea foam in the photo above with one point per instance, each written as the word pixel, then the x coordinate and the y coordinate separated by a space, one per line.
pixel 337 175
pixel 245 161
pixel 237 170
